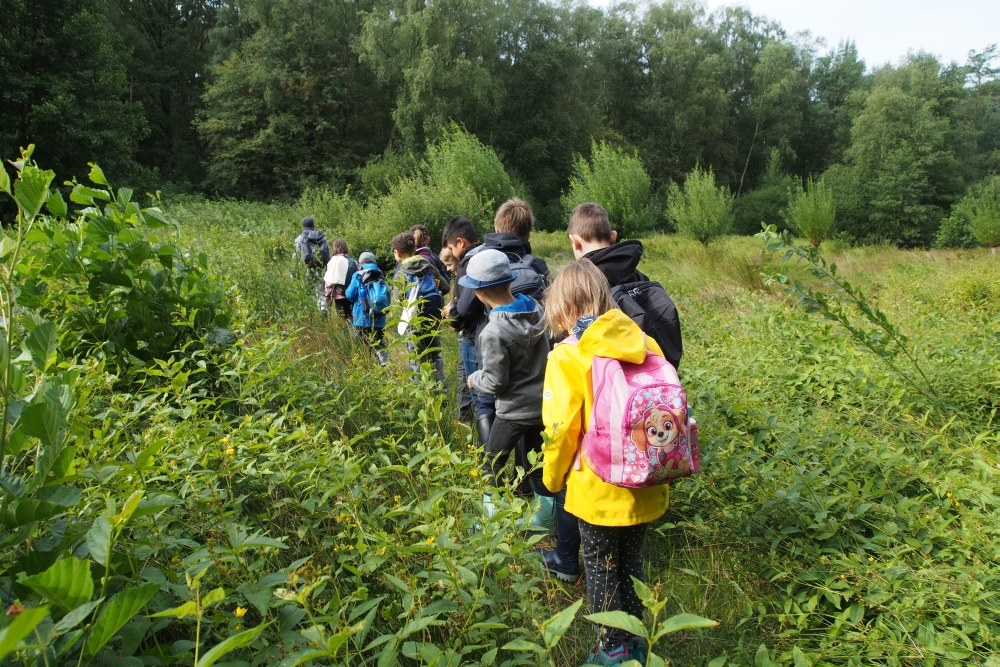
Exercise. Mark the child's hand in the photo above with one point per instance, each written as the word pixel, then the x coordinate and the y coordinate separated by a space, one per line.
pixel 468 383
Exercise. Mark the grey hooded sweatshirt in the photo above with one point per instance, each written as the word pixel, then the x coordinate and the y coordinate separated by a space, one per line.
pixel 514 350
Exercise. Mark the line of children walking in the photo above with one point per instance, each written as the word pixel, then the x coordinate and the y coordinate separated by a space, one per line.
pixel 518 385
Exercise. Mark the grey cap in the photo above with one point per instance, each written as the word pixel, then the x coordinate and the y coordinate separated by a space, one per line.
pixel 487 268
pixel 366 258
pixel 307 223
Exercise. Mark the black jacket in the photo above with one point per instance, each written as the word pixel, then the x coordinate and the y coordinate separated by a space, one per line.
pixel 648 305
pixel 468 314
pixel 618 262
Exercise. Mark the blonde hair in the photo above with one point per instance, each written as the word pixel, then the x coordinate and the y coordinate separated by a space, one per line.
pixel 514 217
pixel 580 290
pixel 446 257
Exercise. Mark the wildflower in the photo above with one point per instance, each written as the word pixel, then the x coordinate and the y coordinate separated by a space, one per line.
pixel 474 473
pixel 871 559
pixel 430 540
pixel 397 498
pixel 240 612
pixel 949 494
pixel 225 439
pixel 230 452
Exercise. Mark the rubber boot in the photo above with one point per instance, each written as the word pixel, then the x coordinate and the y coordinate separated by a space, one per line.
pixel 545 517
pixel 484 424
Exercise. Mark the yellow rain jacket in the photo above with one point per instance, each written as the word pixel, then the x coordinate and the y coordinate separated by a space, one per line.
pixel 568 401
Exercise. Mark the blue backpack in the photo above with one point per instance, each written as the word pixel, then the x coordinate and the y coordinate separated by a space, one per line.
pixel 374 293
pixel 426 286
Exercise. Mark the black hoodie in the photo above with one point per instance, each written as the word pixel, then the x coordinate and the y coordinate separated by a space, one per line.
pixel 618 262
pixel 657 315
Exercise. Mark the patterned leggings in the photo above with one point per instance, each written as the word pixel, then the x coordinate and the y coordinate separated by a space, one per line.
pixel 612 555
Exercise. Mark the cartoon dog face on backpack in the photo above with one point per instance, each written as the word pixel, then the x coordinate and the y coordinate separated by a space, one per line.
pixel 659 428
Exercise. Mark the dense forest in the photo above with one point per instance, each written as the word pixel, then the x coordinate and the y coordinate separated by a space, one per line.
pixel 262 99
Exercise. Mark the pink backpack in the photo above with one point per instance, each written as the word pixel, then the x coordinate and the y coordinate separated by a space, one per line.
pixel 640 432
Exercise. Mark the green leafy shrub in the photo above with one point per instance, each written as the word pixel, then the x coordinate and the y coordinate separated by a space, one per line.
pixel 114 285
pixel 699 209
pixel 617 180
pixel 766 202
pixel 458 158
pixel 984 209
pixel 811 211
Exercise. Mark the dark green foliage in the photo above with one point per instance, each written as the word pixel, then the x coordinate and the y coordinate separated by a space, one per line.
pixel 63 86
pixel 170 53
pixel 291 107
pixel 766 202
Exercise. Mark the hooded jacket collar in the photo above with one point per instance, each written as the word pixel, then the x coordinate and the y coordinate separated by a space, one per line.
pixel 618 262
pixel 523 326
pixel 615 336
pixel 508 243
pixel 417 265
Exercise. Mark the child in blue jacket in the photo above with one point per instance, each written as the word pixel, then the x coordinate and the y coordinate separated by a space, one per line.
pixel 368 287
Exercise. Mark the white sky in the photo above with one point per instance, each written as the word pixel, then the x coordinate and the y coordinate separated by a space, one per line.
pixel 885 30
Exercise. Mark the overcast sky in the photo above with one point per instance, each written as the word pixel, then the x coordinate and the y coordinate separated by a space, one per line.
pixel 886 29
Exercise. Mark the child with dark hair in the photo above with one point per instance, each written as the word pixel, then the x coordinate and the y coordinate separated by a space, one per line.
pixel 423 283
pixel 466 314
pixel 339 271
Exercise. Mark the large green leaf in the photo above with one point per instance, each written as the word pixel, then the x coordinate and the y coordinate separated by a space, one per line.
pixel 118 611
pixel 75 617
pixel 27 511
pixel 67 583
pixel 57 205
pixel 554 628
pixel 43 419
pixel 41 343
pixel 24 623
pixel 97 174
pixel 620 620
pixel 684 622
pixel 32 189
pixel 99 539
pixel 522 645
pixel 231 644
pixel 4 180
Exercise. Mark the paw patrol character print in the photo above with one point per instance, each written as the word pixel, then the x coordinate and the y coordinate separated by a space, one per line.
pixel 658 428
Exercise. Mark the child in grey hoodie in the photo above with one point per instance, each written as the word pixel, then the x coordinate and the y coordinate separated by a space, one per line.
pixel 513 349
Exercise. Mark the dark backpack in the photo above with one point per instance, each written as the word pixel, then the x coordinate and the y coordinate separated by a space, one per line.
pixel 526 279
pixel 652 309
pixel 311 247
pixel 374 293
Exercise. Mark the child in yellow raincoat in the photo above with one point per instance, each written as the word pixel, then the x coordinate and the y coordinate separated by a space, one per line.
pixel 613 520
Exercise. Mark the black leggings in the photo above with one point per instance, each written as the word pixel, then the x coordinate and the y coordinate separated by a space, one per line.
pixel 520 438
pixel 612 555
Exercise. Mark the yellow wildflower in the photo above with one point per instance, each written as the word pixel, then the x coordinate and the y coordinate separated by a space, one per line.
pixel 949 494
pixel 430 540
pixel 230 452
pixel 475 472
pixel 241 612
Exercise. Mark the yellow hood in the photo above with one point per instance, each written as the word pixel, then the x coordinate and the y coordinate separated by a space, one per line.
pixel 567 403
pixel 615 336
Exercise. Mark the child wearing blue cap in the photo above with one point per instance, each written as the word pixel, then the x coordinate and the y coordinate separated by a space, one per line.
pixel 513 350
